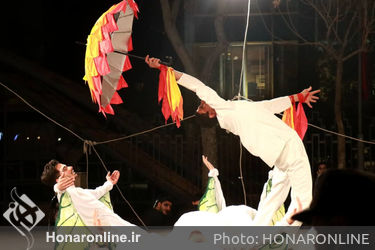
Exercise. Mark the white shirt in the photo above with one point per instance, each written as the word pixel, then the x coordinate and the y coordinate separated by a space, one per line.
pixel 86 202
pixel 261 132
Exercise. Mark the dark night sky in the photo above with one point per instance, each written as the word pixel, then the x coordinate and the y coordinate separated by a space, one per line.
pixel 47 33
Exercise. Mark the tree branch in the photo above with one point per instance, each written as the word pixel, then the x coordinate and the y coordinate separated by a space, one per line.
pixel 174 37
pixel 175 8
pixel 222 41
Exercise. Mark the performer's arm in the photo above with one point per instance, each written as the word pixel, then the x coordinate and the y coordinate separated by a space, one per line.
pixel 279 191
pixel 108 185
pixel 278 105
pixel 213 172
pixel 204 92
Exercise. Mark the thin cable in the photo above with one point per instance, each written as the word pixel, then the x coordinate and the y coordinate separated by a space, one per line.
pixel 241 177
pixel 346 136
pixel 239 91
pixel 87 169
pixel 31 106
pixel 123 197
pixel 244 47
pixel 140 133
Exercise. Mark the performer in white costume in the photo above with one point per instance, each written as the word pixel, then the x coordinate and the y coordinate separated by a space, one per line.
pixel 235 215
pixel 85 201
pixel 262 134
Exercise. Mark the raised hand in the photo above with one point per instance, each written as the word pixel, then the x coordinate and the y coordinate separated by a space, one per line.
pixel 63 182
pixel 207 163
pixel 113 177
pixel 310 96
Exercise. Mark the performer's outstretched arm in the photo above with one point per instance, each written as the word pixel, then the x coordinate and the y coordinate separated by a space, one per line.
pixel 213 172
pixel 108 185
pixel 280 104
pixel 204 92
pixel 64 182
pixel 208 95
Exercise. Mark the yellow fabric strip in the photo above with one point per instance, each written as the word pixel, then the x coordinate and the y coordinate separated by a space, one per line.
pixel 174 94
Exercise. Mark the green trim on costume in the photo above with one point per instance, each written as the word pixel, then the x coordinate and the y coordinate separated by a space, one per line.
pixel 279 214
pixel 68 216
pixel 208 201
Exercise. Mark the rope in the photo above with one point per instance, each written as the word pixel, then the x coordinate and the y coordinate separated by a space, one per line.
pixel 346 136
pixel 143 132
pixel 238 97
pixel 122 195
pixel 244 47
pixel 241 177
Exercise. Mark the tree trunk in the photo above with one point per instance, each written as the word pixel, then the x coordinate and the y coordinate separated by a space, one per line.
pixel 338 115
pixel 174 37
pixel 169 8
pixel 209 148
pixel 209 135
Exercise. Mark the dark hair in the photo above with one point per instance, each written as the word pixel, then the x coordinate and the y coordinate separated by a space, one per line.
pixel 161 199
pixel 205 121
pixel 50 173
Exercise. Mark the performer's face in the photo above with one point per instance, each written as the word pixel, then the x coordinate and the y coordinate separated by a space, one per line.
pixel 205 108
pixel 165 207
pixel 68 170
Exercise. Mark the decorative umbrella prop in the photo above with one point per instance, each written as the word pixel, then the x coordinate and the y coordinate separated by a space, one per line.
pixel 106 54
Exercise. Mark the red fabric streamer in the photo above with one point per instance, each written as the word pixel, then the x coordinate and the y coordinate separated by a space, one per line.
pixel 299 117
pixel 166 94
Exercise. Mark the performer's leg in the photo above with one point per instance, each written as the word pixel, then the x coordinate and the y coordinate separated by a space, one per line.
pixel 295 163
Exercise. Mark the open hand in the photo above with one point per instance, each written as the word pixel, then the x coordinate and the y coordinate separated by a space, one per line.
pixel 152 62
pixel 63 182
pixel 113 177
pixel 295 211
pixel 310 96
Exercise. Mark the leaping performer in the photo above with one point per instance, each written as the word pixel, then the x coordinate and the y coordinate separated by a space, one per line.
pixel 262 134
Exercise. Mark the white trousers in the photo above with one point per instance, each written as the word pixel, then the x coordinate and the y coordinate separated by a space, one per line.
pixel 293 162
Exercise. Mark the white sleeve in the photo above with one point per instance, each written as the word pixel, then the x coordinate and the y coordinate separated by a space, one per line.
pixel 204 92
pixel 219 196
pixel 87 205
pixel 102 190
pixel 276 105
pixel 58 192
pixel 279 191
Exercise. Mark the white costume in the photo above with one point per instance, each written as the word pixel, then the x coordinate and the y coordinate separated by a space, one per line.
pixel 226 216
pixel 266 136
pixel 86 202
